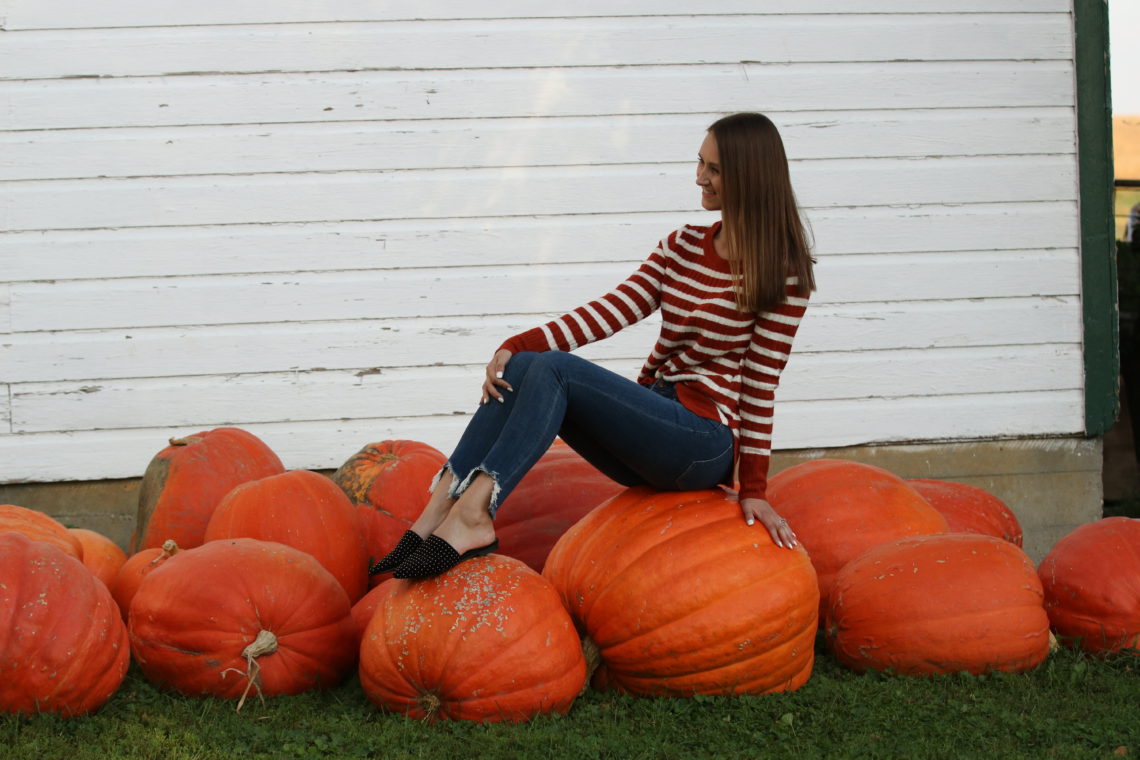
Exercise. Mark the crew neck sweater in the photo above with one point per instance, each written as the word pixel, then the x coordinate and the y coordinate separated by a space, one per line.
pixel 725 363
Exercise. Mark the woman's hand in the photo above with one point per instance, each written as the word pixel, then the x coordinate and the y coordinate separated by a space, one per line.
pixel 494 379
pixel 759 509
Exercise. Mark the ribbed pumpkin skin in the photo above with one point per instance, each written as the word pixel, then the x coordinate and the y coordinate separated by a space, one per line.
pixel 192 618
pixel 1092 586
pixel 389 483
pixel 969 509
pixel 365 607
pixel 184 483
pixel 302 509
pixel 680 597
pixel 101 555
pixel 839 509
pixel 63 647
pixel 488 641
pixel 131 574
pixel 552 496
pixel 939 604
pixel 39 527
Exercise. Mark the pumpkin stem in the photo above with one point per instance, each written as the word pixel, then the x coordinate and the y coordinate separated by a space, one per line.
pixel 264 643
pixel 169 549
pixel 430 704
pixel 593 657
pixel 185 441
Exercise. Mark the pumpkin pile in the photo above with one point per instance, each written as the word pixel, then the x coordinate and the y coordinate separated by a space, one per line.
pixel 248 580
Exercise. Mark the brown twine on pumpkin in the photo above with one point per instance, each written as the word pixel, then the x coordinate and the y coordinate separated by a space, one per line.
pixel 265 643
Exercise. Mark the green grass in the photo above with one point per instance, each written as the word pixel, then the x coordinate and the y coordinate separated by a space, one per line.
pixel 1070 707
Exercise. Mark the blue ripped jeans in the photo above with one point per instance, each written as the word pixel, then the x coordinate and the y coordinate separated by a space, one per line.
pixel 634 434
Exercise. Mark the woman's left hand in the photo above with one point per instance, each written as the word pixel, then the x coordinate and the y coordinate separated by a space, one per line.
pixel 759 509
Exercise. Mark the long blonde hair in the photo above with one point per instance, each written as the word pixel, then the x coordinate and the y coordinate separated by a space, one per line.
pixel 763 230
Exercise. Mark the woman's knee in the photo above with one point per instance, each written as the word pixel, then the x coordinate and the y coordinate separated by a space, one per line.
pixel 518 366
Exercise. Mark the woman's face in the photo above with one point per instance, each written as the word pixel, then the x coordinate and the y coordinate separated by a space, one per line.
pixel 708 174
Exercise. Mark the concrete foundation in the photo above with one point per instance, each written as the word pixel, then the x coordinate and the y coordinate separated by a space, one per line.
pixel 1052 485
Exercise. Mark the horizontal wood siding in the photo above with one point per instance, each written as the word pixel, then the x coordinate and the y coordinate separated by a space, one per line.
pixel 316 221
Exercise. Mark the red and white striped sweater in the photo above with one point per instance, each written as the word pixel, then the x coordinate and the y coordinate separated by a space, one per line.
pixel 726 363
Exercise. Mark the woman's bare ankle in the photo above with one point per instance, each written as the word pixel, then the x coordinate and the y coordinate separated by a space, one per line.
pixel 437 509
pixel 469 525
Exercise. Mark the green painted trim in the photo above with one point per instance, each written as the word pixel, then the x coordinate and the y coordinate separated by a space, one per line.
pixel 1098 233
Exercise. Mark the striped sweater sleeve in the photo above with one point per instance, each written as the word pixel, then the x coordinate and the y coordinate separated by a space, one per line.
pixel 630 302
pixel 764 360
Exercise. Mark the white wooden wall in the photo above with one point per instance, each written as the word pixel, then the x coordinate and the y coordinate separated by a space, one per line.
pixel 316 220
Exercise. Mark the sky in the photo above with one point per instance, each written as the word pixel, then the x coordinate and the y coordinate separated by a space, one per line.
pixel 1124 56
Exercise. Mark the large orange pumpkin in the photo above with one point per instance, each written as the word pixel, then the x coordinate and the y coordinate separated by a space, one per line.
pixel 1092 586
pixel 552 496
pixel 39 527
pixel 839 509
pixel 938 604
pixel 969 509
pixel 130 576
pixel 186 480
pixel 236 617
pixel 304 510
pixel 63 647
pixel 101 555
pixel 487 641
pixel 680 597
pixel 389 483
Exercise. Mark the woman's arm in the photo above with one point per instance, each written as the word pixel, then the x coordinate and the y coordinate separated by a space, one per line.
pixel 764 361
pixel 638 296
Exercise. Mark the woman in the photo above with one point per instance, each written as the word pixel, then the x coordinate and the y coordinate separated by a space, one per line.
pixel 731 296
